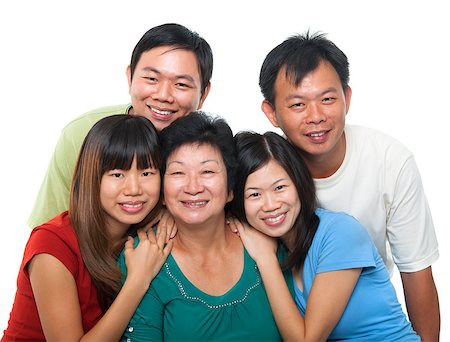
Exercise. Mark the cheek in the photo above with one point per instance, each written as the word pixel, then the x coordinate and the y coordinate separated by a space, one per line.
pixel 188 100
pixel 250 213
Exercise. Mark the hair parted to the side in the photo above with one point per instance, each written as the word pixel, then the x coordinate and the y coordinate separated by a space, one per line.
pixel 254 151
pixel 112 143
pixel 299 55
pixel 180 37
pixel 200 128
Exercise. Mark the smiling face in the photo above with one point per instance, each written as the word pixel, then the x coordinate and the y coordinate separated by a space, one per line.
pixel 166 85
pixel 195 185
pixel 271 200
pixel 312 114
pixel 128 196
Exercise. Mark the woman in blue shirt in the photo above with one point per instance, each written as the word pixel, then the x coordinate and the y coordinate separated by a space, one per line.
pixel 342 288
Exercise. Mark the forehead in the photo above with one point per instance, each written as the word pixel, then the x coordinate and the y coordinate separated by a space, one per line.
pixel 267 174
pixel 195 153
pixel 170 60
pixel 323 75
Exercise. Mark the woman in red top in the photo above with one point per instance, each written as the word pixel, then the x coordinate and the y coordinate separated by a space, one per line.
pixel 69 284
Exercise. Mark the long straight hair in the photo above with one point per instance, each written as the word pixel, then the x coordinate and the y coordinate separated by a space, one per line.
pixel 112 143
pixel 255 151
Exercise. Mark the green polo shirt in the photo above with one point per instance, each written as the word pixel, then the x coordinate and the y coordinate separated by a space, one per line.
pixel 53 196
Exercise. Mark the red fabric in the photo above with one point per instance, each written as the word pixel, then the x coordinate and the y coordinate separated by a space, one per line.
pixel 57 238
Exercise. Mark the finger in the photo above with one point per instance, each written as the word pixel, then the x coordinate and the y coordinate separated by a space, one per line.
pixel 129 243
pixel 161 237
pixel 142 234
pixel 168 248
pixel 163 216
pixel 172 228
pixel 151 236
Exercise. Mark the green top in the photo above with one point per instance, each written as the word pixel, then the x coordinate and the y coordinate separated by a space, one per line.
pixel 53 196
pixel 174 309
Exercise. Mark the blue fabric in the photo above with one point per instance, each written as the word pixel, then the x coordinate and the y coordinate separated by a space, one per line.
pixel 373 312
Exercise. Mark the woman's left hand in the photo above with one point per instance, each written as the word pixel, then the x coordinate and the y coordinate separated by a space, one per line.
pixel 258 245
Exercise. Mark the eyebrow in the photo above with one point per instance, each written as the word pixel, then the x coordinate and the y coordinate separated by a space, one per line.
pixel 328 90
pixel 182 76
pixel 277 181
pixel 202 162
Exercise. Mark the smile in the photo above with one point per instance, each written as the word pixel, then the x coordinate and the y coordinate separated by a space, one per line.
pixel 316 134
pixel 161 112
pixel 194 204
pixel 274 220
pixel 132 207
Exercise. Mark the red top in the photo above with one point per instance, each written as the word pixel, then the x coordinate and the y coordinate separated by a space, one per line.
pixel 57 238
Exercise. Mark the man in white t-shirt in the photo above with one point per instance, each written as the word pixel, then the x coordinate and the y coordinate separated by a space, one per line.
pixel 363 172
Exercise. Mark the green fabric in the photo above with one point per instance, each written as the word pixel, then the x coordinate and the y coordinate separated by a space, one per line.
pixel 174 309
pixel 53 196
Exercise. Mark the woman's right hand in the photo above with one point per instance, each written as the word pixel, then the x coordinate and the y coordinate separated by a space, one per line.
pixel 144 262
pixel 260 246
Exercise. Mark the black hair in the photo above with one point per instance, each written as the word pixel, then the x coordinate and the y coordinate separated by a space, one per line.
pixel 112 143
pixel 200 128
pixel 299 55
pixel 180 37
pixel 254 151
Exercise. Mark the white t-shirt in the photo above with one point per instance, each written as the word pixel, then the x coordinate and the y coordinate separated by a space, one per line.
pixel 379 184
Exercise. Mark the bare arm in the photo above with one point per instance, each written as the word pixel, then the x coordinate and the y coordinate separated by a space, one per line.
pixel 422 303
pixel 328 298
pixel 56 294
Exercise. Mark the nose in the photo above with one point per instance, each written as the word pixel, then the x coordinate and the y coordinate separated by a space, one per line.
pixel 193 185
pixel 163 92
pixel 270 203
pixel 314 114
pixel 132 185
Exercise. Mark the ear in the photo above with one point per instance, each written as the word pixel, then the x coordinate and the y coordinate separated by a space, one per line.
pixel 230 196
pixel 269 110
pixel 204 95
pixel 128 72
pixel 348 97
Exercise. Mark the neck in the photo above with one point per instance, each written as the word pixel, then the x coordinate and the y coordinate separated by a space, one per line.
pixel 325 165
pixel 201 237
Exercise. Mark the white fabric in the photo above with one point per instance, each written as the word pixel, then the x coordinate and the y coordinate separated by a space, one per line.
pixel 379 184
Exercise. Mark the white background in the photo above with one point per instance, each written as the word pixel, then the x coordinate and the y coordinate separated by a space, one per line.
pixel 60 59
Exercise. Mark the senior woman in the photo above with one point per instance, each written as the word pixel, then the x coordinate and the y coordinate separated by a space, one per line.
pixel 209 288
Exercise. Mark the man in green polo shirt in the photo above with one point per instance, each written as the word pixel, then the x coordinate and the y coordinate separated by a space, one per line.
pixel 168 76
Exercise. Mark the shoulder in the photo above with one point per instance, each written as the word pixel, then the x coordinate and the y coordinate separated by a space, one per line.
pixel 85 121
pixel 55 237
pixel 338 225
pixel 384 143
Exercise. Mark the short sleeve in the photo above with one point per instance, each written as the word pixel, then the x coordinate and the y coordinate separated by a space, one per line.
pixel 410 228
pixel 45 241
pixel 344 244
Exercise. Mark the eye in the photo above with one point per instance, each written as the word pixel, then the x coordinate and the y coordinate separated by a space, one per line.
pixel 147 173
pixel 116 174
pixel 183 85
pixel 279 187
pixel 298 104
pixel 253 195
pixel 151 79
pixel 329 100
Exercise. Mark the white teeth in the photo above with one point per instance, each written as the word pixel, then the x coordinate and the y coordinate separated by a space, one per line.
pixel 161 112
pixel 196 204
pixel 317 134
pixel 274 219
pixel 127 205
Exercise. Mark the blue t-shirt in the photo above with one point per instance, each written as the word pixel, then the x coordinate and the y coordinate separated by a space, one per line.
pixel 373 312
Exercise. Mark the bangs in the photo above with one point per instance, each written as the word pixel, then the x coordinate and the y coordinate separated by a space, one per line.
pixel 127 143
